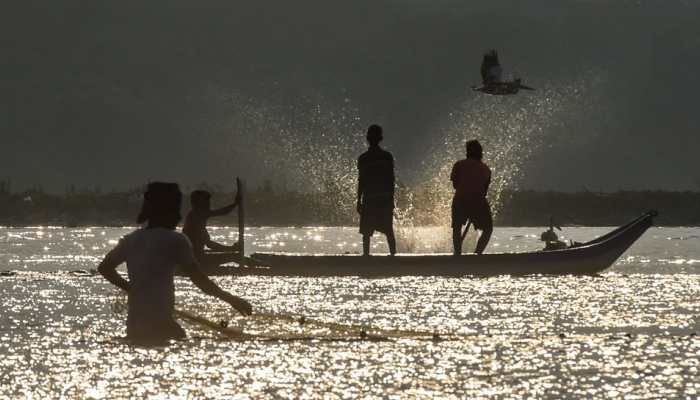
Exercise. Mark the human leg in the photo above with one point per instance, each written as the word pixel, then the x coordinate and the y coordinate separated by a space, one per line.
pixel 458 220
pixel 391 241
pixel 484 238
pixel 365 244
pixel 483 221
pixel 457 240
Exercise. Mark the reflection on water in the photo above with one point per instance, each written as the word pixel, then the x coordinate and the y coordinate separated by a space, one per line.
pixel 660 250
pixel 629 333
pixel 542 337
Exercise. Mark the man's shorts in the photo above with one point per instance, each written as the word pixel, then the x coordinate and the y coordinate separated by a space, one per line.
pixel 476 210
pixel 373 218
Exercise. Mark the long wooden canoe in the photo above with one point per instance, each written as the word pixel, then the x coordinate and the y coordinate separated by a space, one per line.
pixel 589 258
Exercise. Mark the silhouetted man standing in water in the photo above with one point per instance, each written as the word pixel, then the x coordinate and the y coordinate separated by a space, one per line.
pixel 375 191
pixel 471 179
pixel 152 254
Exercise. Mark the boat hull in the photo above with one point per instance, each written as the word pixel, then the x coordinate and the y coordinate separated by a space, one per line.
pixel 589 258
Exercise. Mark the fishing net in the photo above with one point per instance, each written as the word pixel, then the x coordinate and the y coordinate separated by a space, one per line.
pixel 269 326
pixel 286 327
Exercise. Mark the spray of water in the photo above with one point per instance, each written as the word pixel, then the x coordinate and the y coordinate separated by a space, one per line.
pixel 310 144
pixel 512 129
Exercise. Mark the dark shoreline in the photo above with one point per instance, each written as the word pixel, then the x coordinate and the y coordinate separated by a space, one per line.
pixel 268 208
pixel 321 226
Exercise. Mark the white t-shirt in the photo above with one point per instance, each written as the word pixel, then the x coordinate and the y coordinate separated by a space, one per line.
pixel 151 256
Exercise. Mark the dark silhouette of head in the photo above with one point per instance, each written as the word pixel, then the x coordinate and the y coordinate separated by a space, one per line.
pixel 492 55
pixel 161 205
pixel 200 200
pixel 474 150
pixel 374 135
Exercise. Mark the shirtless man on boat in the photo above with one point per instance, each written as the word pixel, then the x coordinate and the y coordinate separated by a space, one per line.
pixel 471 179
pixel 195 227
pixel 375 191
pixel 151 254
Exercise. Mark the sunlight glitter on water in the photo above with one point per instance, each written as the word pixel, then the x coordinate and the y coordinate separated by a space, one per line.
pixel 629 333
pixel 542 337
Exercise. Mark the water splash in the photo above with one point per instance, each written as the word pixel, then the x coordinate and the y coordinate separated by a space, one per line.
pixel 311 144
pixel 512 129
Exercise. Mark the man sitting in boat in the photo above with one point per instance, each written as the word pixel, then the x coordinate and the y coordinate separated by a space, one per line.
pixel 151 254
pixel 375 191
pixel 471 179
pixel 195 227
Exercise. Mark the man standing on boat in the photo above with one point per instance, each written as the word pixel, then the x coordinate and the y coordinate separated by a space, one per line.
pixel 471 179
pixel 195 226
pixel 375 191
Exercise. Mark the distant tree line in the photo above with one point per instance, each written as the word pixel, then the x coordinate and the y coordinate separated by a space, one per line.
pixel 529 208
pixel 266 206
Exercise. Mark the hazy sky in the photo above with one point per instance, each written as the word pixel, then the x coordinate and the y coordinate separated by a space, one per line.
pixel 113 94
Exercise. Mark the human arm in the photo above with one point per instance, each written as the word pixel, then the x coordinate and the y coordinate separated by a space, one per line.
pixel 215 246
pixel 393 174
pixel 359 199
pixel 207 286
pixel 223 210
pixel 488 183
pixel 453 176
pixel 185 258
pixel 218 246
pixel 483 70
pixel 227 209
pixel 360 186
pixel 108 269
pixel 393 181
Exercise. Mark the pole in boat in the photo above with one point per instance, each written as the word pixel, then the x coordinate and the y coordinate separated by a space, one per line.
pixel 241 220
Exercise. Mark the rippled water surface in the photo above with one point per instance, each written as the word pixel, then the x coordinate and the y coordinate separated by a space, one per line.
pixel 627 334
